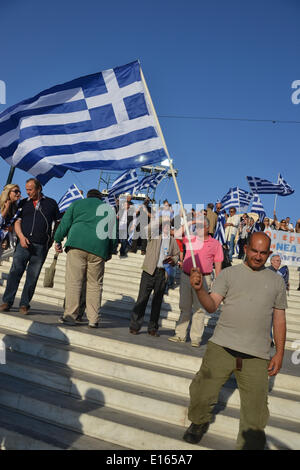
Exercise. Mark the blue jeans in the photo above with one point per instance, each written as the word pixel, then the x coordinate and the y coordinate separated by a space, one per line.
pixel 33 258
pixel 231 247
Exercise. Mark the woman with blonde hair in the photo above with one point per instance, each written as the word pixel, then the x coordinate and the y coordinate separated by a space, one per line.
pixel 9 199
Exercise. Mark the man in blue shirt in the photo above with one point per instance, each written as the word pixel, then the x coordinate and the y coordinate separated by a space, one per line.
pixel 33 229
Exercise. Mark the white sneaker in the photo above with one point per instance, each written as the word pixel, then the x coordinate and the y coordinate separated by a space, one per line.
pixel 176 339
pixel 195 344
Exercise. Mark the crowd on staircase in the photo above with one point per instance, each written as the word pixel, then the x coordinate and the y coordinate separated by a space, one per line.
pixel 169 241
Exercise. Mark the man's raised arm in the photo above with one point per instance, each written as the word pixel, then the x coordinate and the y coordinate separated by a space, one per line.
pixel 209 301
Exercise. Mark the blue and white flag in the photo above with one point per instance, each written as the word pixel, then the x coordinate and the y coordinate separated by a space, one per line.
pixel 236 197
pixel 150 181
pixel 220 230
pixel 73 194
pixel 262 186
pixel 286 188
pixel 125 183
pixel 258 207
pixel 102 120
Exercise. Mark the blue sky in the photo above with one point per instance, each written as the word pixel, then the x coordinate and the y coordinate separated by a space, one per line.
pixel 206 60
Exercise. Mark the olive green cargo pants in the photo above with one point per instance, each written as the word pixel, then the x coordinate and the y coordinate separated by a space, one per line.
pixel 252 380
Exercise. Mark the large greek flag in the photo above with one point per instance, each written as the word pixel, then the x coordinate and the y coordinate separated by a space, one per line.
pixel 102 120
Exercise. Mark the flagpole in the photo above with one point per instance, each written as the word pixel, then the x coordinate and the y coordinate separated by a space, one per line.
pixel 11 174
pixel 275 202
pixel 171 168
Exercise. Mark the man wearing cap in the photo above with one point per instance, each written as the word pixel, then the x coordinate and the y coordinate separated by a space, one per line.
pixel 90 227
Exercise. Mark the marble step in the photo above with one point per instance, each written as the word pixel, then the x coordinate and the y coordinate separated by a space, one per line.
pixel 95 420
pixel 98 392
pixel 21 432
pixel 55 341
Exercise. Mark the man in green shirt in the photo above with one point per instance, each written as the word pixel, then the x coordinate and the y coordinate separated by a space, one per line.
pixel 251 295
pixel 90 227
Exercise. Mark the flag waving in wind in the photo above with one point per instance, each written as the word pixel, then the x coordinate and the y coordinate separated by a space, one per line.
pixel 258 207
pixel 262 186
pixel 236 197
pixel 102 120
pixel 73 194
pixel 286 188
pixel 150 181
pixel 220 229
pixel 125 183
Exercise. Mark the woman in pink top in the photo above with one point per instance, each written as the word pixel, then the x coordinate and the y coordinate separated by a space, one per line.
pixel 208 253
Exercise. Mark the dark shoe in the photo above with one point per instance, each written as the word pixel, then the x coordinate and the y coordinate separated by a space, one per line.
pixel 133 332
pixel 67 321
pixel 24 310
pixel 93 325
pixel 194 433
pixel 81 320
pixel 4 308
pixel 153 333
pixel 143 252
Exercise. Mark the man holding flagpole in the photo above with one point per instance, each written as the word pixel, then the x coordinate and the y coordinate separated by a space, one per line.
pixel 253 296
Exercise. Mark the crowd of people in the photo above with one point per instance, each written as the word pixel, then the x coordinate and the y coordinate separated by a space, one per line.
pixel 253 297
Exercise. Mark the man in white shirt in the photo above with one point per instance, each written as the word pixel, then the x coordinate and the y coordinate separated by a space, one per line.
pixel 231 228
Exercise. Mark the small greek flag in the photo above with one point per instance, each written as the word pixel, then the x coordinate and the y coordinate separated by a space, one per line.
pixel 257 205
pixel 236 197
pixel 150 181
pixel 262 186
pixel 125 183
pixel 220 230
pixel 286 188
pixel 73 194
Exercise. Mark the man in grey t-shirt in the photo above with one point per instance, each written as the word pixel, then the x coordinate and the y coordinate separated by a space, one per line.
pixel 251 296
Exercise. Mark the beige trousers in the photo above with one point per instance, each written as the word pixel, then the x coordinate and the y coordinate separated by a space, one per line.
pixel 80 265
pixel 187 303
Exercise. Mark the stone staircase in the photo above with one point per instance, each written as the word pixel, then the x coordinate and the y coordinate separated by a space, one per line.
pixel 76 388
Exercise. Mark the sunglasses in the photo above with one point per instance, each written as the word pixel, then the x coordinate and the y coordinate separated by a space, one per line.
pixel 16 191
